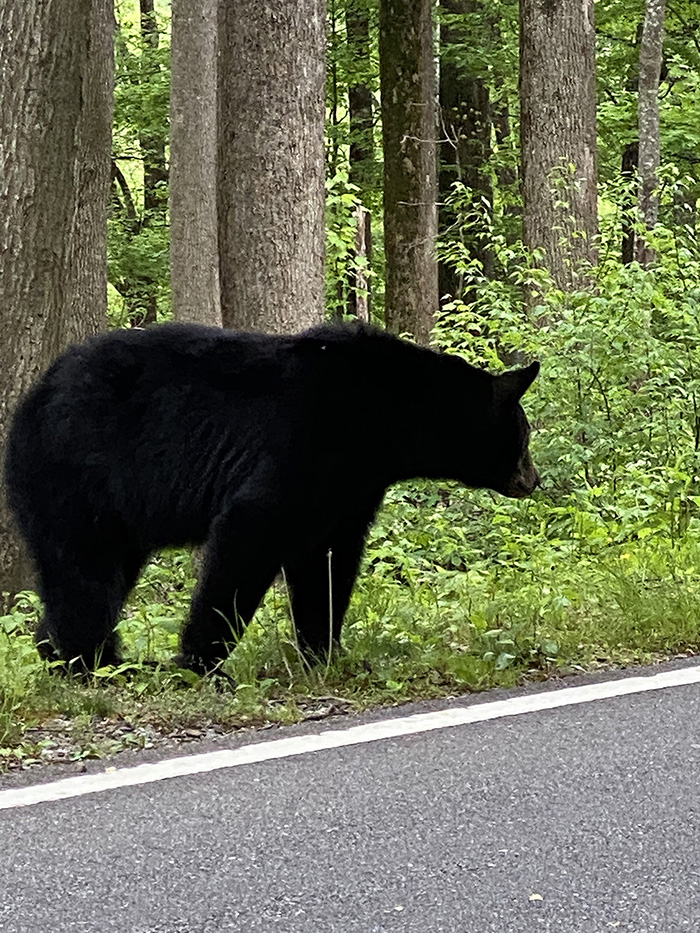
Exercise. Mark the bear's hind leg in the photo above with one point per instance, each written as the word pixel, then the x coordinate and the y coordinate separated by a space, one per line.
pixel 83 589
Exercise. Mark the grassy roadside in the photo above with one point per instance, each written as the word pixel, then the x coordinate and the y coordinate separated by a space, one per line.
pixel 459 592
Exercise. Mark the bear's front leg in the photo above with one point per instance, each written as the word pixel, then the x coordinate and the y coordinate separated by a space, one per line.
pixel 321 581
pixel 240 564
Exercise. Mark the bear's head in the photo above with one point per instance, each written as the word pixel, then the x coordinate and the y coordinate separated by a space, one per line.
pixel 508 466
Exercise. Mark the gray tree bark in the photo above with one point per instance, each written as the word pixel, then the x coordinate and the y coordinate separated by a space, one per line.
pixel 558 133
pixel 194 245
pixel 43 77
pixel 407 77
pixel 361 159
pixel 271 178
pixel 650 57
pixel 87 298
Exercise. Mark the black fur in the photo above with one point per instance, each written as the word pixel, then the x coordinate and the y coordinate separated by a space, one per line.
pixel 271 450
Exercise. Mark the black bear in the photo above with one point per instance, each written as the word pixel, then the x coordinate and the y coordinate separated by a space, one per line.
pixel 275 451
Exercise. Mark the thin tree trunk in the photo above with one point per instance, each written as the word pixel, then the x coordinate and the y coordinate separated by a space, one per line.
pixel 194 246
pixel 507 175
pixel 88 287
pixel 465 149
pixel 332 65
pixel 650 57
pixel 155 170
pixel 407 74
pixel 43 71
pixel 629 166
pixel 271 178
pixel 361 164
pixel 337 298
pixel 360 102
pixel 630 160
pixel 558 133
pixel 359 297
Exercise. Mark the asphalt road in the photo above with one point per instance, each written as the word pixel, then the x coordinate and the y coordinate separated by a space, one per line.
pixel 583 818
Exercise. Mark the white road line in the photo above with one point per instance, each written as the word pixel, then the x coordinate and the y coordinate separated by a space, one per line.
pixel 338 738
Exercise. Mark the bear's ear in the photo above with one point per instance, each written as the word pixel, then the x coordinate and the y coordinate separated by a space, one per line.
pixel 513 385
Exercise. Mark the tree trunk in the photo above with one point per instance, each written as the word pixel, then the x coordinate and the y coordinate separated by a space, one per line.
pixel 630 160
pixel 407 74
pixel 271 178
pixel 558 133
pixel 360 101
pixel 194 246
pixel 465 149
pixel 87 301
pixel 155 170
pixel 332 54
pixel 628 168
pixel 359 296
pixel 44 53
pixel 361 164
pixel 650 56
pixel 507 174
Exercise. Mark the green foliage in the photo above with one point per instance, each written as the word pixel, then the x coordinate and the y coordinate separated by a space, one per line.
pixel 618 26
pixel 617 431
pixel 341 207
pixel 21 669
pixel 346 69
pixel 139 237
pixel 352 62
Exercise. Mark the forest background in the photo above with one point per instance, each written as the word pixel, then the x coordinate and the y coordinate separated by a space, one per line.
pixel 503 180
